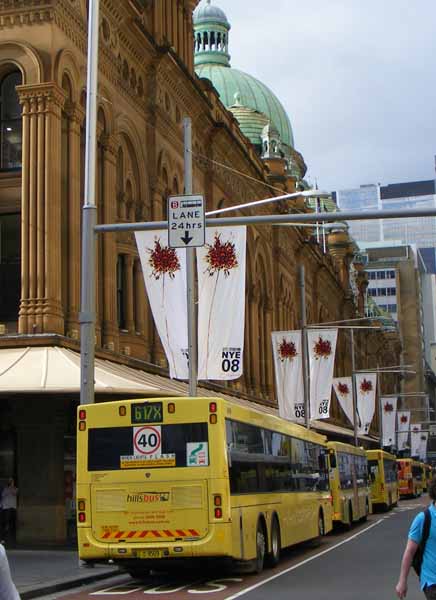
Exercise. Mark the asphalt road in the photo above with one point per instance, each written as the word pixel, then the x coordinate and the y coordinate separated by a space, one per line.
pixel 361 564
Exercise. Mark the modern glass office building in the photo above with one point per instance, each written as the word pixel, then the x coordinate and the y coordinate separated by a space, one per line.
pixel 409 195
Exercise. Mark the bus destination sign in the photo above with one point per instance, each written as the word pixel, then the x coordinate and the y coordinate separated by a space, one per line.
pixel 147 412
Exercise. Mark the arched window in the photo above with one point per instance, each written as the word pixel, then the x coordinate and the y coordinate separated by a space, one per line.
pixel 10 122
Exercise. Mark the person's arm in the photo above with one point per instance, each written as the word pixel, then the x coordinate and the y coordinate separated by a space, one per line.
pixel 409 553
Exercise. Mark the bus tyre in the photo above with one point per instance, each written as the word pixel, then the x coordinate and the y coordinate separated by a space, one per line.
pixel 349 522
pixel 365 516
pixel 274 556
pixel 260 548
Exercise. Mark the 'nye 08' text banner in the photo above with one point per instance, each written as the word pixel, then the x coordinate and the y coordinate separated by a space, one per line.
pixel 366 386
pixel 164 271
pixel 423 446
pixel 389 420
pixel 288 368
pixel 343 387
pixel 221 303
pixel 403 427
pixel 321 345
pixel 415 439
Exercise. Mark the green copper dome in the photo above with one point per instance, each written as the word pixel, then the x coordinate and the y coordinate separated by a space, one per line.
pixel 212 61
pixel 252 93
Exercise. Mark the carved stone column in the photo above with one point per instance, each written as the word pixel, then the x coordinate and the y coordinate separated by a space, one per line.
pixel 130 325
pixel 110 338
pixel 76 116
pixel 40 306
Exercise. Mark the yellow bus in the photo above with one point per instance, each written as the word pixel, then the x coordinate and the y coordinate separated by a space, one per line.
pixel 164 481
pixel 349 483
pixel 383 475
pixel 410 477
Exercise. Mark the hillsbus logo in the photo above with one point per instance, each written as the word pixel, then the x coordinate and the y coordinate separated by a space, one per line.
pixel 148 497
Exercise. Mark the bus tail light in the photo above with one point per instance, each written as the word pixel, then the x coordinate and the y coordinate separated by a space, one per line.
pixel 213 419
pixel 382 487
pixel 331 499
pixel 81 504
pixel 82 517
pixel 217 500
pixel 171 408
pixel 218 513
pixel 122 411
pixel 212 407
pixel 82 419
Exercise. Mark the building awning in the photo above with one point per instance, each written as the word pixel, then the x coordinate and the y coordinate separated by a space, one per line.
pixel 329 428
pixel 51 369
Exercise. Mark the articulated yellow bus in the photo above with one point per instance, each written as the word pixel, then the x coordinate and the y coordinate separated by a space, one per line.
pixel 349 483
pixel 383 475
pixel 167 480
pixel 410 477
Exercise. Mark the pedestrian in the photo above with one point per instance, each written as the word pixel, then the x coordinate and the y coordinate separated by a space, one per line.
pixel 428 567
pixel 8 591
pixel 9 510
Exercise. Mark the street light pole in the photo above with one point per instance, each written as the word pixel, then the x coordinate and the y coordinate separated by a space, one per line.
pixel 353 381
pixel 303 323
pixel 87 312
pixel 190 268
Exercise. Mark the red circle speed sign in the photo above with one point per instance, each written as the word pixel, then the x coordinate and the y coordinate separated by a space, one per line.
pixel 147 440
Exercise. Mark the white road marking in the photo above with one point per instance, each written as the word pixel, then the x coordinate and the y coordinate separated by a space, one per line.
pixel 303 562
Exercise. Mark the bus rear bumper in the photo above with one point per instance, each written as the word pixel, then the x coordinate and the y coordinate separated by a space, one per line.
pixel 214 544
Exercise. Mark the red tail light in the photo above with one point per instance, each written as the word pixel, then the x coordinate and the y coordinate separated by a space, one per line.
pixel 218 513
pixel 82 414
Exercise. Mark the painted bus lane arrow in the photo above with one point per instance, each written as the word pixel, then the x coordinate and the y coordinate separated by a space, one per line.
pixel 186 239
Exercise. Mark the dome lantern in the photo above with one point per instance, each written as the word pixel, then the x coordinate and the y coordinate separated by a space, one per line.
pixel 211 36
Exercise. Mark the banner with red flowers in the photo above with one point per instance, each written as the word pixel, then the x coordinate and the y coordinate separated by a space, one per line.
pixel 403 428
pixel 415 439
pixel 221 303
pixel 343 387
pixel 321 345
pixel 389 420
pixel 366 386
pixel 164 271
pixel 288 368
pixel 423 446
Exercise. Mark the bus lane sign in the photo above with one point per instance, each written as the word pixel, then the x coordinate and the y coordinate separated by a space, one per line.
pixel 186 221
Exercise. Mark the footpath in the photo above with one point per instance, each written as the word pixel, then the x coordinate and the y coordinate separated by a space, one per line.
pixel 42 572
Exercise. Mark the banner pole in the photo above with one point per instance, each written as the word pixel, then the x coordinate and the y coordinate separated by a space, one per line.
pixel 190 268
pixel 305 356
pixel 353 375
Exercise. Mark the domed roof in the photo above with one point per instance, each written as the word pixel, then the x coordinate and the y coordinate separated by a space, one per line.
pixel 251 122
pixel 209 12
pixel 253 94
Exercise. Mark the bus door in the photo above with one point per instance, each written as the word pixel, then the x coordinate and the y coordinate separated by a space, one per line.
pixel 356 507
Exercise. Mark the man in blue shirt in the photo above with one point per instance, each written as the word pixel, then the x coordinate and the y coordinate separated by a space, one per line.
pixel 428 568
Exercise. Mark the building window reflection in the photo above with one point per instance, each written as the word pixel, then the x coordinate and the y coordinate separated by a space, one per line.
pixel 10 122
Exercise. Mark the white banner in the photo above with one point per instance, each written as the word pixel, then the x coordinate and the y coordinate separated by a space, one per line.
pixel 343 387
pixel 415 439
pixel 389 420
pixel 288 368
pixel 366 384
pixel 403 426
pixel 164 271
pixel 321 345
pixel 423 446
pixel 221 303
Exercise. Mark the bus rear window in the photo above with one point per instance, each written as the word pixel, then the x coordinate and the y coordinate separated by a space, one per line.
pixel 126 448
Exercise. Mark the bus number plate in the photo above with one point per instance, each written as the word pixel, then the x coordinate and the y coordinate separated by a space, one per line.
pixel 150 553
pixel 149 412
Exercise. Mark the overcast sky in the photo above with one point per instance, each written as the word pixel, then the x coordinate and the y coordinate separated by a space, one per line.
pixel 357 78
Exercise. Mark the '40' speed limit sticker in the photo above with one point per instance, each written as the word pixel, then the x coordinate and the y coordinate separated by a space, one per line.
pixel 147 441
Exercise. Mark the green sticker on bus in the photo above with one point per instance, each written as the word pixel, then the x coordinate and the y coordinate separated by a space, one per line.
pixel 148 412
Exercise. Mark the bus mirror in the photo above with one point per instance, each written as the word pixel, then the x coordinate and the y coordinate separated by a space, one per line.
pixel 333 463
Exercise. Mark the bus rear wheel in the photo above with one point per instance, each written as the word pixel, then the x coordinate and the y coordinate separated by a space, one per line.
pixel 274 555
pixel 260 549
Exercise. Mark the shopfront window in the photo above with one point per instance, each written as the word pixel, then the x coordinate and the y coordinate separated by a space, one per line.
pixel 10 122
pixel 10 267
